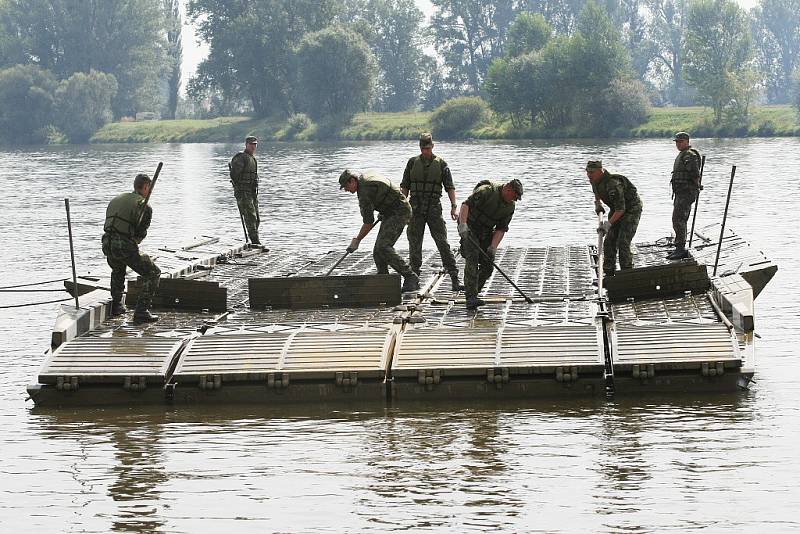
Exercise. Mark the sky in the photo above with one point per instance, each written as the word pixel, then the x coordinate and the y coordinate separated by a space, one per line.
pixel 194 52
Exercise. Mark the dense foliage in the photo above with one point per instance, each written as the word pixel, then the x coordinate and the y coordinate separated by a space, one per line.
pixel 458 115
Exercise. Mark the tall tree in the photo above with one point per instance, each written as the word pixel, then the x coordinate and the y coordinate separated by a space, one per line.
pixel 84 104
pixel 560 14
pixel 777 28
pixel 120 37
pixel 469 34
pixel 26 103
pixel 718 57
pixel 174 22
pixel 252 46
pixel 666 30
pixel 336 74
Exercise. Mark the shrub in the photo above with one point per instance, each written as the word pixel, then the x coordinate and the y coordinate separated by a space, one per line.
pixel 84 104
pixel 458 115
pixel 296 124
pixel 26 103
pixel 623 104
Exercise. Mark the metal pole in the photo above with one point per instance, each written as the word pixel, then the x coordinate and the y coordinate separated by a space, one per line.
pixel 72 255
pixel 697 200
pixel 600 257
pixel 724 218
pixel 499 270
pixel 244 228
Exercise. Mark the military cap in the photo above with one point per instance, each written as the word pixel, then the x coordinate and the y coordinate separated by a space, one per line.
pixel 251 139
pixel 594 164
pixel 681 136
pixel 345 177
pixel 425 140
pixel 516 185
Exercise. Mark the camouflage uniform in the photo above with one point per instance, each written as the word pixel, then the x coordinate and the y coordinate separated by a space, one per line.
pixel 488 212
pixel 376 193
pixel 685 179
pixel 244 177
pixel 121 247
pixel 424 180
pixel 619 194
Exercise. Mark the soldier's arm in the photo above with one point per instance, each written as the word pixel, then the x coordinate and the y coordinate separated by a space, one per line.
pixel 497 236
pixel 141 230
pixel 617 198
pixel 692 164
pixel 366 208
pixel 405 183
pixel 447 183
pixel 237 167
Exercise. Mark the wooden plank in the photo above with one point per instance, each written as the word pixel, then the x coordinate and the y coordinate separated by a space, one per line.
pixel 183 294
pixel 658 281
pixel 303 292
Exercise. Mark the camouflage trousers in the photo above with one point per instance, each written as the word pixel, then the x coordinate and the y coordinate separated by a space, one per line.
pixel 431 215
pixel 383 253
pixel 477 267
pixel 619 238
pixel 122 253
pixel 681 209
pixel 247 200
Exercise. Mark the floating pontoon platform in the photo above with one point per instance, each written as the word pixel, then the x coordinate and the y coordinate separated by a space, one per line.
pixel 567 342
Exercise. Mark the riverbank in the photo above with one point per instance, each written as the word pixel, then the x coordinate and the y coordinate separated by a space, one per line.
pixel 765 121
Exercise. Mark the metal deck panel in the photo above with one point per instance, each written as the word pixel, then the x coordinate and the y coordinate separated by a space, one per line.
pixel 111 359
pixel 675 343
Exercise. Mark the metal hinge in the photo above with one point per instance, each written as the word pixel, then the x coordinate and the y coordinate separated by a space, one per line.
pixel 278 380
pixel 346 379
pixel 429 377
pixel 134 383
pixel 643 371
pixel 712 368
pixel 67 383
pixel 497 376
pixel 210 382
pixel 566 374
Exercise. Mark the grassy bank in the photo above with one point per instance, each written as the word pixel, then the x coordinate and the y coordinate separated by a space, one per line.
pixel 767 121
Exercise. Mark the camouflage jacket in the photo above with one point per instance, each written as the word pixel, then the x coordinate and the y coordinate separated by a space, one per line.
pixel 243 169
pixel 487 209
pixel 618 193
pixel 425 179
pixel 686 170
pixel 122 217
pixel 376 193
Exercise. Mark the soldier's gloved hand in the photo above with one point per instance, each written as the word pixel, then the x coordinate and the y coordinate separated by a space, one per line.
pixel 492 251
pixel 463 229
pixel 598 208
pixel 353 245
pixel 604 228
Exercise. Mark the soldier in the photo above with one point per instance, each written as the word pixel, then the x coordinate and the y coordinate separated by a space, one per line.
pixel 482 222
pixel 424 178
pixel 244 177
pixel 685 187
pixel 376 193
pixel 621 197
pixel 127 221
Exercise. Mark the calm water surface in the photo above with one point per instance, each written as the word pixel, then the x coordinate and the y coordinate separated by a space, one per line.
pixel 648 464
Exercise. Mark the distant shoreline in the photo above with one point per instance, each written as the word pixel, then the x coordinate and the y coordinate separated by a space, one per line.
pixel 765 121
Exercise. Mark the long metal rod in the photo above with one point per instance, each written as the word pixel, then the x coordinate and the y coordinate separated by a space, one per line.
pixel 347 252
pixel 244 228
pixel 499 270
pixel 697 200
pixel 724 219
pixel 600 257
pixel 72 255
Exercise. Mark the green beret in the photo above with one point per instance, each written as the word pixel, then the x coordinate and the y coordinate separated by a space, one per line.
pixel 425 140
pixel 594 164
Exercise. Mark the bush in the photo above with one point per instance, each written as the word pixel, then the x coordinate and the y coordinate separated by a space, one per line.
pixel 26 103
pixel 296 124
pixel 458 115
pixel 84 104
pixel 623 104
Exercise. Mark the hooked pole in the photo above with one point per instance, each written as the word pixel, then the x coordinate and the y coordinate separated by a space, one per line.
pixel 724 218
pixel 499 270
pixel 697 200
pixel 72 255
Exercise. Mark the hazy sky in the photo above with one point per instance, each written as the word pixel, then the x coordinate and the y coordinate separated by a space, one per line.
pixel 193 52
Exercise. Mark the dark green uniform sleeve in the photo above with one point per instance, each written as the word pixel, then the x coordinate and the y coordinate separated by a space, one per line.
pixel 503 224
pixel 616 194
pixel 141 230
pixel 691 162
pixel 405 183
pixel 237 166
pixel 447 178
pixel 365 205
pixel 478 197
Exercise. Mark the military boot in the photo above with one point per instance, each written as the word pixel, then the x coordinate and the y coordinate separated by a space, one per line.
pixel 678 254
pixel 410 282
pixel 474 302
pixel 116 306
pixel 455 283
pixel 143 315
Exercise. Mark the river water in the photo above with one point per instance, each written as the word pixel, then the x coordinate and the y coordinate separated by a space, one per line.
pixel 645 464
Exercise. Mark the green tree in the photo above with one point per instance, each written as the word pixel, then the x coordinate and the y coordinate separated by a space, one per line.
pixel 718 58
pixel 26 103
pixel 83 103
pixel 777 28
pixel 251 47
pixel 125 38
pixel 665 41
pixel 469 35
pixel 173 25
pixel 336 74
pixel 528 33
